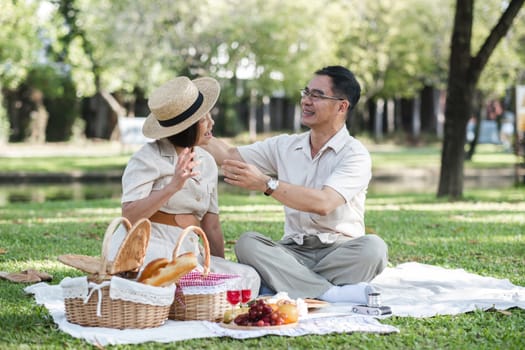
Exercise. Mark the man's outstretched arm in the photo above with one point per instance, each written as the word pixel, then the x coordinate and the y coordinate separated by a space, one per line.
pixel 319 201
pixel 221 150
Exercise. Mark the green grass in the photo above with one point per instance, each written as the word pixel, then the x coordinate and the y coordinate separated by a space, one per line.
pixel 385 156
pixel 392 157
pixel 64 164
pixel 483 234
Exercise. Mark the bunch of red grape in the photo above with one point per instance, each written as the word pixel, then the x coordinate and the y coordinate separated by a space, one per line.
pixel 260 315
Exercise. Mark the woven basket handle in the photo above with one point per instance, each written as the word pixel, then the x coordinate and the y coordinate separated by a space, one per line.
pixel 107 239
pixel 200 232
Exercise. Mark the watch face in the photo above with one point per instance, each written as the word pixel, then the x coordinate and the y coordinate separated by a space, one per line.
pixel 272 186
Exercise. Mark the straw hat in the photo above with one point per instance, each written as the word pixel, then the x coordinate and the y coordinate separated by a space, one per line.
pixel 178 104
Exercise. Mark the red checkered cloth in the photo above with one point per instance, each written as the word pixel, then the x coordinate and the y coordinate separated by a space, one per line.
pixel 196 279
pixel 195 283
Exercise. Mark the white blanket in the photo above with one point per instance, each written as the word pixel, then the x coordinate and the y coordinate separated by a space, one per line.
pixel 419 290
pixel 410 289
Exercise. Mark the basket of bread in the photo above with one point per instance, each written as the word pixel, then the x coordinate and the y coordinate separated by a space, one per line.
pixel 111 295
pixel 201 295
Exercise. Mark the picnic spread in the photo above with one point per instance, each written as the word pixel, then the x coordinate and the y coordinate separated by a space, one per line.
pixel 124 302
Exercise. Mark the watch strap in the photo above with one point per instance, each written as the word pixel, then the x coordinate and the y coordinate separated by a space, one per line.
pixel 269 188
pixel 268 191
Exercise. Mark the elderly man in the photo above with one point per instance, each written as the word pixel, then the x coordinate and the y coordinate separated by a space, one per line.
pixel 321 178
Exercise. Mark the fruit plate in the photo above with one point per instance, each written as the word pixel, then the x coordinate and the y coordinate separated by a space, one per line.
pixel 232 325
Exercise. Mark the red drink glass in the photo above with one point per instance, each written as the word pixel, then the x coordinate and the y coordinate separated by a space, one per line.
pixel 246 295
pixel 233 297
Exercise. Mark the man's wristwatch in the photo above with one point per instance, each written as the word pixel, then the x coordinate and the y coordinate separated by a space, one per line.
pixel 271 186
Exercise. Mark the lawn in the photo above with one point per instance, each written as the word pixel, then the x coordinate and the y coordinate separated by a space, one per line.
pixel 483 234
pixel 384 156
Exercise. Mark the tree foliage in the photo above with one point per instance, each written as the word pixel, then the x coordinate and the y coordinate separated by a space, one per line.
pixel 397 46
pixel 19 42
pixel 271 47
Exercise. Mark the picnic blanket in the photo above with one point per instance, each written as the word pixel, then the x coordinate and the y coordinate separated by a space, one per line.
pixel 410 289
pixel 420 290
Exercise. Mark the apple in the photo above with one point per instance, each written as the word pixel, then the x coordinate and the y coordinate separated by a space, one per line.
pixel 289 312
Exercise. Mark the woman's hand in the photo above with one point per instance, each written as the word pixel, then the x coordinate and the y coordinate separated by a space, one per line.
pixel 183 169
pixel 146 207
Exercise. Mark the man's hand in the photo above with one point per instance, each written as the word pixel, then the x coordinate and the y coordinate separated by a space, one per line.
pixel 318 201
pixel 244 175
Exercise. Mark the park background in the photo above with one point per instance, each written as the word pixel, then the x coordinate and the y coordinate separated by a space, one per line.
pixel 70 68
pixel 430 71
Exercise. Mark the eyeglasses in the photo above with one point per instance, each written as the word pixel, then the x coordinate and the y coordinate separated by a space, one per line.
pixel 316 95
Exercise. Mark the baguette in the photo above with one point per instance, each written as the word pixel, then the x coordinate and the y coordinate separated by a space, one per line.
pixel 152 268
pixel 173 271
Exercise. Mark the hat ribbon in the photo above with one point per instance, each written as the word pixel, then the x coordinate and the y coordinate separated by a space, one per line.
pixel 184 115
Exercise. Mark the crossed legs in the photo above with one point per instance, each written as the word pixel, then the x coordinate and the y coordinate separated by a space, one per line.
pixel 314 268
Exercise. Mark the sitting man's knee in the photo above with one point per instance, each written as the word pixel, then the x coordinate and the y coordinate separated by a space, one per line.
pixel 376 249
pixel 245 238
pixel 379 244
pixel 244 244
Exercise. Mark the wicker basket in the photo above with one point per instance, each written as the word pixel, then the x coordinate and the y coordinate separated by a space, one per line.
pixel 209 303
pixel 120 314
pixel 96 307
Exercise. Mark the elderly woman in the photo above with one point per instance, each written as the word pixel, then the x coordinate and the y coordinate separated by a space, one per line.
pixel 173 182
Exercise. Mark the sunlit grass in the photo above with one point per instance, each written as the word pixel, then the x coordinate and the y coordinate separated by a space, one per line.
pixel 429 156
pixel 404 157
pixel 493 154
pixel 252 208
pixel 57 220
pixel 451 206
pixel 260 217
pixel 53 266
pixel 517 239
pixel 116 211
pixel 495 158
pixel 65 164
pixel 483 234
pixel 517 218
pixel 386 156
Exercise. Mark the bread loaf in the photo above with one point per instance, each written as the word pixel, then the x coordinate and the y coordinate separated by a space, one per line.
pixel 152 268
pixel 173 271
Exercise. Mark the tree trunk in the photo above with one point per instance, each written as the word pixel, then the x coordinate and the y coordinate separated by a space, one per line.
pixel 267 127
pixel 464 72
pixel 416 121
pixel 478 115
pixel 252 120
pixel 428 115
pixel 453 152
pixel 406 112
pixel 39 118
pixel 378 119
pixel 371 107
pixel 458 109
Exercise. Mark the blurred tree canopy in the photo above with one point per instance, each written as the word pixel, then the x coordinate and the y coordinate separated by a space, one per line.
pixel 394 47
